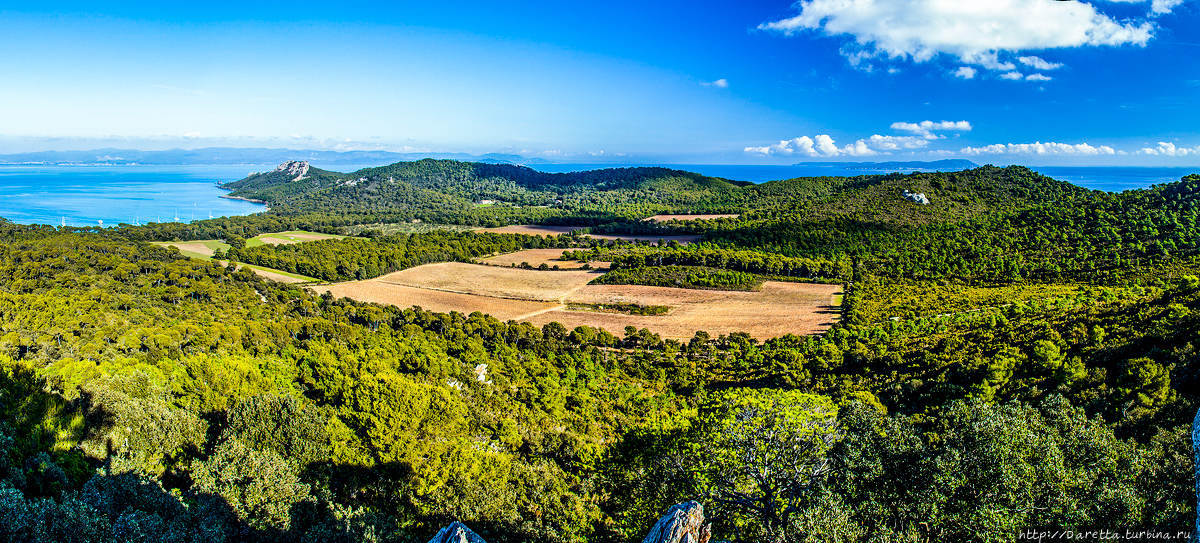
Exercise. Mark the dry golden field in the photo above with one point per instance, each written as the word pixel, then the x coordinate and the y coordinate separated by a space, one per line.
pixel 433 300
pixel 192 247
pixel 536 257
pixel 662 218
pixel 540 297
pixel 273 275
pixel 494 281
pixel 778 309
pixel 287 238
pixel 539 230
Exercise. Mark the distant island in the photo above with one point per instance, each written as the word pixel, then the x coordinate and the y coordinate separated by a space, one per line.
pixel 235 155
pixel 948 164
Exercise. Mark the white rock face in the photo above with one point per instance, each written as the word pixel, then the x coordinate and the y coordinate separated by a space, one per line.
pixel 1196 452
pixel 456 532
pixel 294 167
pixel 683 523
pixel 918 197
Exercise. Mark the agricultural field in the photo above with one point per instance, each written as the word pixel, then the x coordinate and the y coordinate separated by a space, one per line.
pixel 391 229
pixel 664 218
pixel 541 297
pixel 540 230
pixel 286 238
pixel 537 257
pixel 434 300
pixel 205 249
pixel 778 309
pixel 493 281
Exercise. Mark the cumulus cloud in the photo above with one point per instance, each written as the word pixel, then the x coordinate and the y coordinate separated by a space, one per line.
pixel 965 72
pixel 720 83
pixel 824 146
pixel 974 32
pixel 926 129
pixel 1013 76
pixel 1159 7
pixel 1166 148
pixel 1039 148
pixel 1038 77
pixel 895 143
pixel 1039 63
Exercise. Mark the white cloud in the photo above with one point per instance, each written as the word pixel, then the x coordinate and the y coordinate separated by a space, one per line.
pixel 965 72
pixel 1039 148
pixel 720 83
pixel 1159 7
pixel 859 148
pixel 896 143
pixel 1167 148
pixel 802 145
pixel 1038 77
pixel 1013 76
pixel 824 146
pixel 193 136
pixel 926 128
pixel 975 32
pixel 1039 63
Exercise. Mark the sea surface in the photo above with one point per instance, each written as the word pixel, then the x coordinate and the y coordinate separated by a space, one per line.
pixel 109 195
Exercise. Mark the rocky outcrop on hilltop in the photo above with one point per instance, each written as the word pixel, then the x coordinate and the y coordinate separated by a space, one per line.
pixel 456 532
pixel 918 197
pixel 298 168
pixel 683 523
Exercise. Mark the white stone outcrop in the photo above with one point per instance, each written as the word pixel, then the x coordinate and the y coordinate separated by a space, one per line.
pixel 456 532
pixel 918 197
pixel 294 167
pixel 683 523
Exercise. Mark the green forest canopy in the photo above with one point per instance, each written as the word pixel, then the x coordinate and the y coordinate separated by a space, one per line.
pixel 1020 352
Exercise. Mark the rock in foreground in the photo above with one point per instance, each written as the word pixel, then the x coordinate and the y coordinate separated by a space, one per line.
pixel 683 523
pixel 456 532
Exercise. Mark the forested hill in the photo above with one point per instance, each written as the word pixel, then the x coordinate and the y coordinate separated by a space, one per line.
pixel 490 194
pixel 451 185
pixel 879 198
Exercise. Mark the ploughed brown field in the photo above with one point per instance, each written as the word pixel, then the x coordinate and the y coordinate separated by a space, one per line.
pixel 536 257
pixel 662 218
pixel 539 230
pixel 541 297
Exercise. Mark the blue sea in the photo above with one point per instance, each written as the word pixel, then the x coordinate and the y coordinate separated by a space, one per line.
pixel 109 195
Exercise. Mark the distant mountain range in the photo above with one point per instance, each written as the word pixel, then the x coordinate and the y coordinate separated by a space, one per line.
pixel 235 155
pixel 949 164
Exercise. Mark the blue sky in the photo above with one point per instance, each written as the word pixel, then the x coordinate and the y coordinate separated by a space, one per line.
pixel 1038 82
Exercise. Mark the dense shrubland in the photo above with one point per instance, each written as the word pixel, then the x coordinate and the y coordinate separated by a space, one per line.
pixel 1019 353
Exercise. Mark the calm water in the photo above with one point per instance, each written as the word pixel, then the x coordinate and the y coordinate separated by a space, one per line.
pixel 86 195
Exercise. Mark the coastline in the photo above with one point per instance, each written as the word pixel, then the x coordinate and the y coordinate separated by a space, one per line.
pixel 244 199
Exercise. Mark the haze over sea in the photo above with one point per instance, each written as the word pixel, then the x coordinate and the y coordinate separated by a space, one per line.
pixel 86 195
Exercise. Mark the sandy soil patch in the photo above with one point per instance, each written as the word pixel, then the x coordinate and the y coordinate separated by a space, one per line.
pixel 663 218
pixel 492 280
pixel 536 257
pixel 433 300
pixel 539 230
